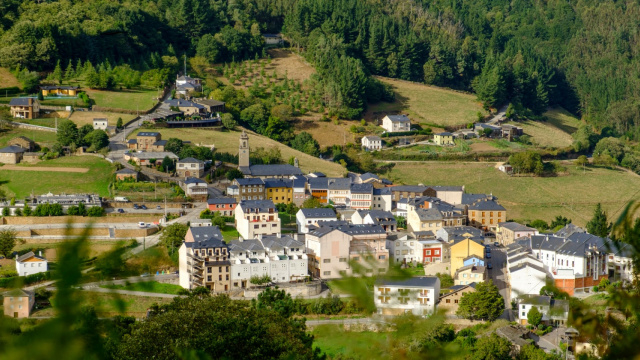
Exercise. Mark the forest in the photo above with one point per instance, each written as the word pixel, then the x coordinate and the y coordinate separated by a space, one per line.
pixel 581 55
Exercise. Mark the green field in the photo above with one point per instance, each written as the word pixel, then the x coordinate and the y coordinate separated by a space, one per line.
pixel 228 141
pixel 563 120
pixel 229 233
pixel 140 99
pixel 45 138
pixel 527 198
pixel 113 304
pixel 428 104
pixel 333 341
pixel 147 286
pixel 23 183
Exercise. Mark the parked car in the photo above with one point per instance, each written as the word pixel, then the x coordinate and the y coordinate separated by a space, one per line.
pixel 496 244
pixel 136 207
pixel 159 207
pixel 488 255
pixel 142 224
pixel 121 211
pixel 143 207
pixel 489 266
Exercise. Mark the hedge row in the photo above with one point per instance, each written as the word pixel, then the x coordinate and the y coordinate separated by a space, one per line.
pixel 25 280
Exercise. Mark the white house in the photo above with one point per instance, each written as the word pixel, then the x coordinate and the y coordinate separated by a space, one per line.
pixel 195 188
pixel 186 84
pixel 417 295
pixel 257 217
pixel 306 217
pixel 30 263
pixel 554 312
pixel 396 123
pixel 382 199
pixel 281 258
pixel 404 249
pixel 100 124
pixel 339 191
pixel 526 278
pixel 371 143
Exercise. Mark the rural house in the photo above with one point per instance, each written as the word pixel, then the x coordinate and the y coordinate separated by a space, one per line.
pixel 100 123
pixel 470 274
pixel 195 188
pixel 185 85
pixel 24 108
pixel 185 106
pixel 371 143
pixel 145 140
pixel 30 263
pixel 190 167
pixel 211 105
pixel 149 158
pixel 11 154
pixel 18 303
pixel 449 301
pixel 443 139
pixel 257 217
pixel 59 90
pixel 125 173
pixel 508 232
pixel 226 206
pixel 396 123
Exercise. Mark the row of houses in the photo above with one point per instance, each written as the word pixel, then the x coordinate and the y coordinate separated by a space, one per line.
pixel 64 200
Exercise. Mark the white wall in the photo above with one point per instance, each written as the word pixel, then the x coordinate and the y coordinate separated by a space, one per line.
pixel 31 267
pixel 182 265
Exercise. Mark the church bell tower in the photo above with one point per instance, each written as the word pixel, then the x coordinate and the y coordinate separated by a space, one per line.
pixel 243 151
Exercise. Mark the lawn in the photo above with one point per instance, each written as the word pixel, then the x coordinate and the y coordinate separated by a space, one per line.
pixel 24 183
pixel 333 341
pixel 108 305
pixel 44 138
pixel 428 104
pixel 527 198
pixel 7 79
pixel 147 286
pixel 228 141
pixel 563 120
pixel 141 99
pixel 545 134
pixel 86 117
pixel 229 233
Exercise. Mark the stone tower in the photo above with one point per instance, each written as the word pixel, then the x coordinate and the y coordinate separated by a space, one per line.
pixel 243 151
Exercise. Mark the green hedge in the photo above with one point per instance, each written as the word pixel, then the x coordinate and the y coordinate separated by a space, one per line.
pixel 17 281
pixel 12 90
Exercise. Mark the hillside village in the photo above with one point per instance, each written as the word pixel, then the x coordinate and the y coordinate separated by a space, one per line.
pixel 269 181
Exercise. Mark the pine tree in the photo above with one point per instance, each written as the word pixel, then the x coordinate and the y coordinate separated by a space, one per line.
pixel 599 225
pixel 69 73
pixel 57 73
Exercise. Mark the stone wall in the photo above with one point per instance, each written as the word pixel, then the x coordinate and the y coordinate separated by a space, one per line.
pixel 431 269
pixel 150 205
pixel 302 289
pixel 131 233
pixel 35 220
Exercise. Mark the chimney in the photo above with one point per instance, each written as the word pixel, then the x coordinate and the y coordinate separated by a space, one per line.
pixel 40 253
pixel 30 101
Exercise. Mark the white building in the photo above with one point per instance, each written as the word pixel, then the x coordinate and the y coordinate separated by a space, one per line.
pixel 29 264
pixel 200 223
pixel 404 249
pixel 396 123
pixel 195 188
pixel 554 312
pixel 371 143
pixel 526 278
pixel 100 124
pixel 257 217
pixel 360 196
pixel 417 295
pixel 280 257
pixel 306 217
pixel 382 199
pixel 339 191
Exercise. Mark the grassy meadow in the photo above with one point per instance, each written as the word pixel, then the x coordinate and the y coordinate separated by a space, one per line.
pixel 428 104
pixel 107 305
pixel 86 117
pixel 147 286
pixel 22 183
pixel 335 341
pixel 7 79
pixel 573 195
pixel 44 138
pixel 228 141
pixel 137 99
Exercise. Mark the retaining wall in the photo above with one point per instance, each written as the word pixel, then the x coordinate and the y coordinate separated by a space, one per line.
pixel 35 220
pixel 303 289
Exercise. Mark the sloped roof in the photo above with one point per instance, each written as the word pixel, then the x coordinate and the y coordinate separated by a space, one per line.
pixel 148 133
pixel 192 180
pixel 398 118
pixel 190 160
pixel 260 205
pixel 201 233
pixel 245 245
pixel 514 226
pixel 408 188
pixel 221 200
pixel 416 281
pixel 30 255
pixel 339 184
pixel 126 171
pixel 12 149
pixel 487 205
pixel 361 188
pixel 428 214
pixel 319 213
pixel 274 170
pixel 21 102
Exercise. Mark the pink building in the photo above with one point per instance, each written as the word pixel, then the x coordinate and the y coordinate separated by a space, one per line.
pixel 18 303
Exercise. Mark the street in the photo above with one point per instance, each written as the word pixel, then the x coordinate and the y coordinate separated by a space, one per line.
pixel 498 274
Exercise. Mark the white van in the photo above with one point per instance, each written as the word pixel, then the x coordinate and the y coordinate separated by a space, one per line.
pixel 121 199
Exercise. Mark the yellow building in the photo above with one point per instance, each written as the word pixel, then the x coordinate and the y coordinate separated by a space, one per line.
pixel 280 191
pixel 443 138
pixel 486 213
pixel 59 90
pixel 462 249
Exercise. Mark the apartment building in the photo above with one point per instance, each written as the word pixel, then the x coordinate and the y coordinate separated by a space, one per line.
pixel 382 199
pixel 308 217
pixel 256 217
pixel 204 260
pixel 280 191
pixel 249 189
pixel 508 232
pixel 339 191
pixel 332 247
pixel 282 258
pixel 417 295
pixel 360 196
pixel 554 312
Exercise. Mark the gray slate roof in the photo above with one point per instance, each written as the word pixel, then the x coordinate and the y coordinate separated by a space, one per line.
pixel 12 149
pixel 415 282
pixel 260 205
pixel 183 103
pixel 190 160
pixel 221 200
pixel 428 214
pixel 201 233
pixel 398 118
pixel 488 205
pixel 409 188
pixel 148 133
pixel 514 226
pixel 20 102
pixel 29 255
pixel 249 181
pixel 350 229
pixel 245 245
pixel 361 188
pixel 339 184
pixel 274 170
pixel 323 213
pixel 126 171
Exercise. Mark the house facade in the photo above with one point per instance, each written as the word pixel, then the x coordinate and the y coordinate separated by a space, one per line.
pixel 195 188
pixel 449 301
pixel 30 263
pixel 360 196
pixel 307 217
pixel 507 232
pixel 24 108
pixel 554 312
pixel 470 274
pixel 396 123
pixel 486 214
pixel 18 303
pixel 100 123
pixel 371 143
pixel 280 191
pixel 462 249
pixel 444 139
pixel 249 189
pixel 59 90
pixel 256 217
pixel 226 206
pixel 190 167
pixel 205 262
pixel 11 154
pixel 417 295
pixel 124 174
pixel 145 139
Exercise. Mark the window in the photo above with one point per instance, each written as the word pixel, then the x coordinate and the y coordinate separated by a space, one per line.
pixel 326 261
pixel 382 257
pixel 524 314
pixel 384 299
pixel 209 278
pixel 341 260
pixel 448 301
pixel 403 300
pixel 326 273
pixel 455 301
pixel 220 277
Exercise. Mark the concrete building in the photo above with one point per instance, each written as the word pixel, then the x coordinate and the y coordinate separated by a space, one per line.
pixel 24 108
pixel 100 123
pixel 281 258
pixel 339 191
pixel 417 295
pixel 444 139
pixel 125 174
pixel 226 206
pixel 360 196
pixel 382 199
pixel 18 303
pixel 371 143
pixel 526 278
pixel 190 167
pixel 404 249
pixel 30 263
pixel 396 123
pixel 470 274
pixel 507 232
pixel 257 217
pixel 332 248
pixel 308 217
pixel 204 260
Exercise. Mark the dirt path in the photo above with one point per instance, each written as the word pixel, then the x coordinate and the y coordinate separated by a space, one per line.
pixel 44 168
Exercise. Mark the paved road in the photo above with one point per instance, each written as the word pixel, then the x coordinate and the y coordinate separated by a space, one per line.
pixel 499 276
pixel 501 112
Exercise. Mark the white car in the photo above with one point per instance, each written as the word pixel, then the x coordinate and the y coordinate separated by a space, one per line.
pixel 142 224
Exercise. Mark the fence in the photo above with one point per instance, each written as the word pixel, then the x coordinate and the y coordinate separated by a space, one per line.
pixel 32 127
